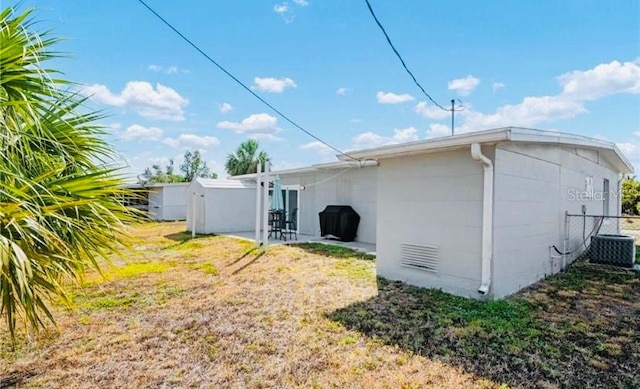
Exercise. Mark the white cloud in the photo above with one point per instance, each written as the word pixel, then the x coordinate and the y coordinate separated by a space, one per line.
pixel 578 88
pixel 273 85
pixel 225 107
pixel 370 139
pixel 431 111
pixel 281 8
pixel 392 98
pixel 437 130
pixel 603 80
pixel 497 85
pixel 217 168
pixel 343 91
pixel 101 94
pixel 530 112
pixel 464 86
pixel 191 141
pixel 285 12
pixel 154 68
pixel 138 132
pixel 160 102
pixel 259 126
pixel 631 149
pixel 316 145
pixel 356 120
pixel 114 126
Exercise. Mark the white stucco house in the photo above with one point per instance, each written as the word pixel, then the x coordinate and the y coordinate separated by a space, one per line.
pixel 220 206
pixel 475 214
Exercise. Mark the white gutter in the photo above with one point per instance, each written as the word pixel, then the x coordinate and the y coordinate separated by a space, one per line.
pixel 487 217
pixel 313 168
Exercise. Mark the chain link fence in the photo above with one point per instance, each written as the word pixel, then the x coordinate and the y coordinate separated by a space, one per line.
pixel 603 239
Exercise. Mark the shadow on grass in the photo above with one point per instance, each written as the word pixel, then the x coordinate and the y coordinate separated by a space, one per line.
pixel 184 236
pixel 243 256
pixel 577 329
pixel 14 379
pixel 251 262
pixel 334 251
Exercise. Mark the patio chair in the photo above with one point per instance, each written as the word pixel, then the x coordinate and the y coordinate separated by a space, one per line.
pixel 277 224
pixel 291 224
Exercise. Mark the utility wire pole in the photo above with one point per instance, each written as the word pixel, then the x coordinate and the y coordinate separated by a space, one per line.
pixel 453 110
pixel 453 114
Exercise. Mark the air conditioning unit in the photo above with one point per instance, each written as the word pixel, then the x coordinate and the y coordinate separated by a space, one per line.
pixel 619 250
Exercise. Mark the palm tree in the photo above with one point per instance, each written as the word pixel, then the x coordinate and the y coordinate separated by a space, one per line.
pixel 245 160
pixel 59 212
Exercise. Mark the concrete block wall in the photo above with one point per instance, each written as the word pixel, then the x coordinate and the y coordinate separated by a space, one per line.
pixel 435 200
pixel 534 186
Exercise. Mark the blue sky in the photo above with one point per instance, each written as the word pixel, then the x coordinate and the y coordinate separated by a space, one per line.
pixel 571 66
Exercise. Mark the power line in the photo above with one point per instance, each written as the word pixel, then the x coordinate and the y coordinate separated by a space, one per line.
pixel 402 60
pixel 234 78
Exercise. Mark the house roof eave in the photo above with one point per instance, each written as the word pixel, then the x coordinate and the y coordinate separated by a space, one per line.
pixel 514 134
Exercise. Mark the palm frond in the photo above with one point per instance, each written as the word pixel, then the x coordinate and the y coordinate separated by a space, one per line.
pixel 59 209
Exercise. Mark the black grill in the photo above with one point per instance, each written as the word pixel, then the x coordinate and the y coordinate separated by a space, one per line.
pixel 339 221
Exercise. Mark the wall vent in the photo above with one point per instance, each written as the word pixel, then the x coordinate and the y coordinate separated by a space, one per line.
pixel 420 257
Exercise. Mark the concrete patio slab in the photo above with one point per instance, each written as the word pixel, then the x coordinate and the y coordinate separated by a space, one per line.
pixel 367 248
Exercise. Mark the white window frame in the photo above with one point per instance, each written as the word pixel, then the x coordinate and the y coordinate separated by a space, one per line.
pixel 297 188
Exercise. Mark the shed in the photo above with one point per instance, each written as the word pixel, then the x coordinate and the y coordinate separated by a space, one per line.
pixel 168 201
pixel 220 206
pixel 161 201
pixel 476 214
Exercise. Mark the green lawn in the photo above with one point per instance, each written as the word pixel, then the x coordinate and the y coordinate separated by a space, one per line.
pixel 575 329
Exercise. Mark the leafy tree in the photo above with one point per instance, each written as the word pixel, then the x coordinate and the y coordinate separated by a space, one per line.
pixel 156 174
pixel 193 166
pixel 630 196
pixel 59 212
pixel 245 159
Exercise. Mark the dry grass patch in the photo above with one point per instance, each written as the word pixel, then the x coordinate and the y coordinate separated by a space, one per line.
pixel 215 312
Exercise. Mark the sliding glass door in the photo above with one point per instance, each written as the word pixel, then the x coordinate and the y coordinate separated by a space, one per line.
pixel 291 196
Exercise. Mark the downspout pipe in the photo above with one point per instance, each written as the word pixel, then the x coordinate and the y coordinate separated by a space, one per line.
pixel 487 217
